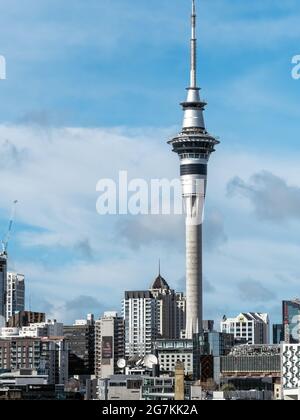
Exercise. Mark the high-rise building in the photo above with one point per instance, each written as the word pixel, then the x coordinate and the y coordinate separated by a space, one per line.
pixel 139 312
pixel 291 321
pixel 150 315
pixel 25 318
pixel 253 327
pixel 81 342
pixel 109 344
pixel 278 333
pixel 194 146
pixel 3 285
pixel 170 309
pixel 15 294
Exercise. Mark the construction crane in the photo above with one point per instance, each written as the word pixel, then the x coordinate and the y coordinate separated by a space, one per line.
pixel 6 238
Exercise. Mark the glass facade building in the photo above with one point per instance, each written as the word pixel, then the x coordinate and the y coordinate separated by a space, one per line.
pixel 291 321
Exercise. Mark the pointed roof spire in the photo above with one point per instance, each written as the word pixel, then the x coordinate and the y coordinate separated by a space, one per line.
pixel 193 81
pixel 159 267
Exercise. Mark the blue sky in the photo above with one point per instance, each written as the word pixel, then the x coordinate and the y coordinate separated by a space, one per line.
pixel 93 88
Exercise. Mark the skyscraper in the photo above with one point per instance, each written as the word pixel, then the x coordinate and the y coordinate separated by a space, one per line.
pixel 291 321
pixel 150 315
pixel 194 146
pixel 3 284
pixel 15 294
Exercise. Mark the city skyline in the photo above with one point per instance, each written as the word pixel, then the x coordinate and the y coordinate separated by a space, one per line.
pixel 73 257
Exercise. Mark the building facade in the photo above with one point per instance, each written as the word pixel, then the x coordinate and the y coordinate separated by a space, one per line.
pixel 15 294
pixel 49 328
pixel 109 344
pixel 170 352
pixel 81 343
pixel 120 387
pixel 252 361
pixel 278 333
pixel 158 313
pixel 25 318
pixel 253 327
pixel 291 321
pixel 290 369
pixel 46 356
pixel 3 285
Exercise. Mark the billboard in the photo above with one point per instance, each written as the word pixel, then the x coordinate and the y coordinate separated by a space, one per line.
pixel 107 348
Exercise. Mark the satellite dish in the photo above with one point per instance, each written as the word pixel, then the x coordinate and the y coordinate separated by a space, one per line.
pixel 121 363
pixel 150 361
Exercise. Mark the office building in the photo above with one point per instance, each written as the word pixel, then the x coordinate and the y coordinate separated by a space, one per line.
pixel 208 325
pixel 15 297
pixel 253 327
pixel 25 318
pixel 109 344
pixel 278 333
pixel 49 328
pixel 120 387
pixel 291 321
pixel 170 352
pixel 252 361
pixel 81 343
pixel 15 294
pixel 3 285
pixel 48 356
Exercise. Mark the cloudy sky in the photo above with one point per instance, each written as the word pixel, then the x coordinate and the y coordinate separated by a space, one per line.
pixel 93 88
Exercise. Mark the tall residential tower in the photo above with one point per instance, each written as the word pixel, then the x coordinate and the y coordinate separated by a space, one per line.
pixel 194 146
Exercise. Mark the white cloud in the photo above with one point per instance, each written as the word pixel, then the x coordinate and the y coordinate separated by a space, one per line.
pixel 76 252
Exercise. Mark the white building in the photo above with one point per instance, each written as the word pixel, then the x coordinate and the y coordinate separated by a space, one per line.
pixel 9 332
pixel 109 344
pixel 251 327
pixel 150 315
pixel 15 294
pixel 90 320
pixel 42 329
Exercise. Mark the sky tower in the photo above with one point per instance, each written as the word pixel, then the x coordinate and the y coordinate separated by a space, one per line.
pixel 194 146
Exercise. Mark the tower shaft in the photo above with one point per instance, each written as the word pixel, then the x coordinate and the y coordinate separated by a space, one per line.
pixel 193 279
